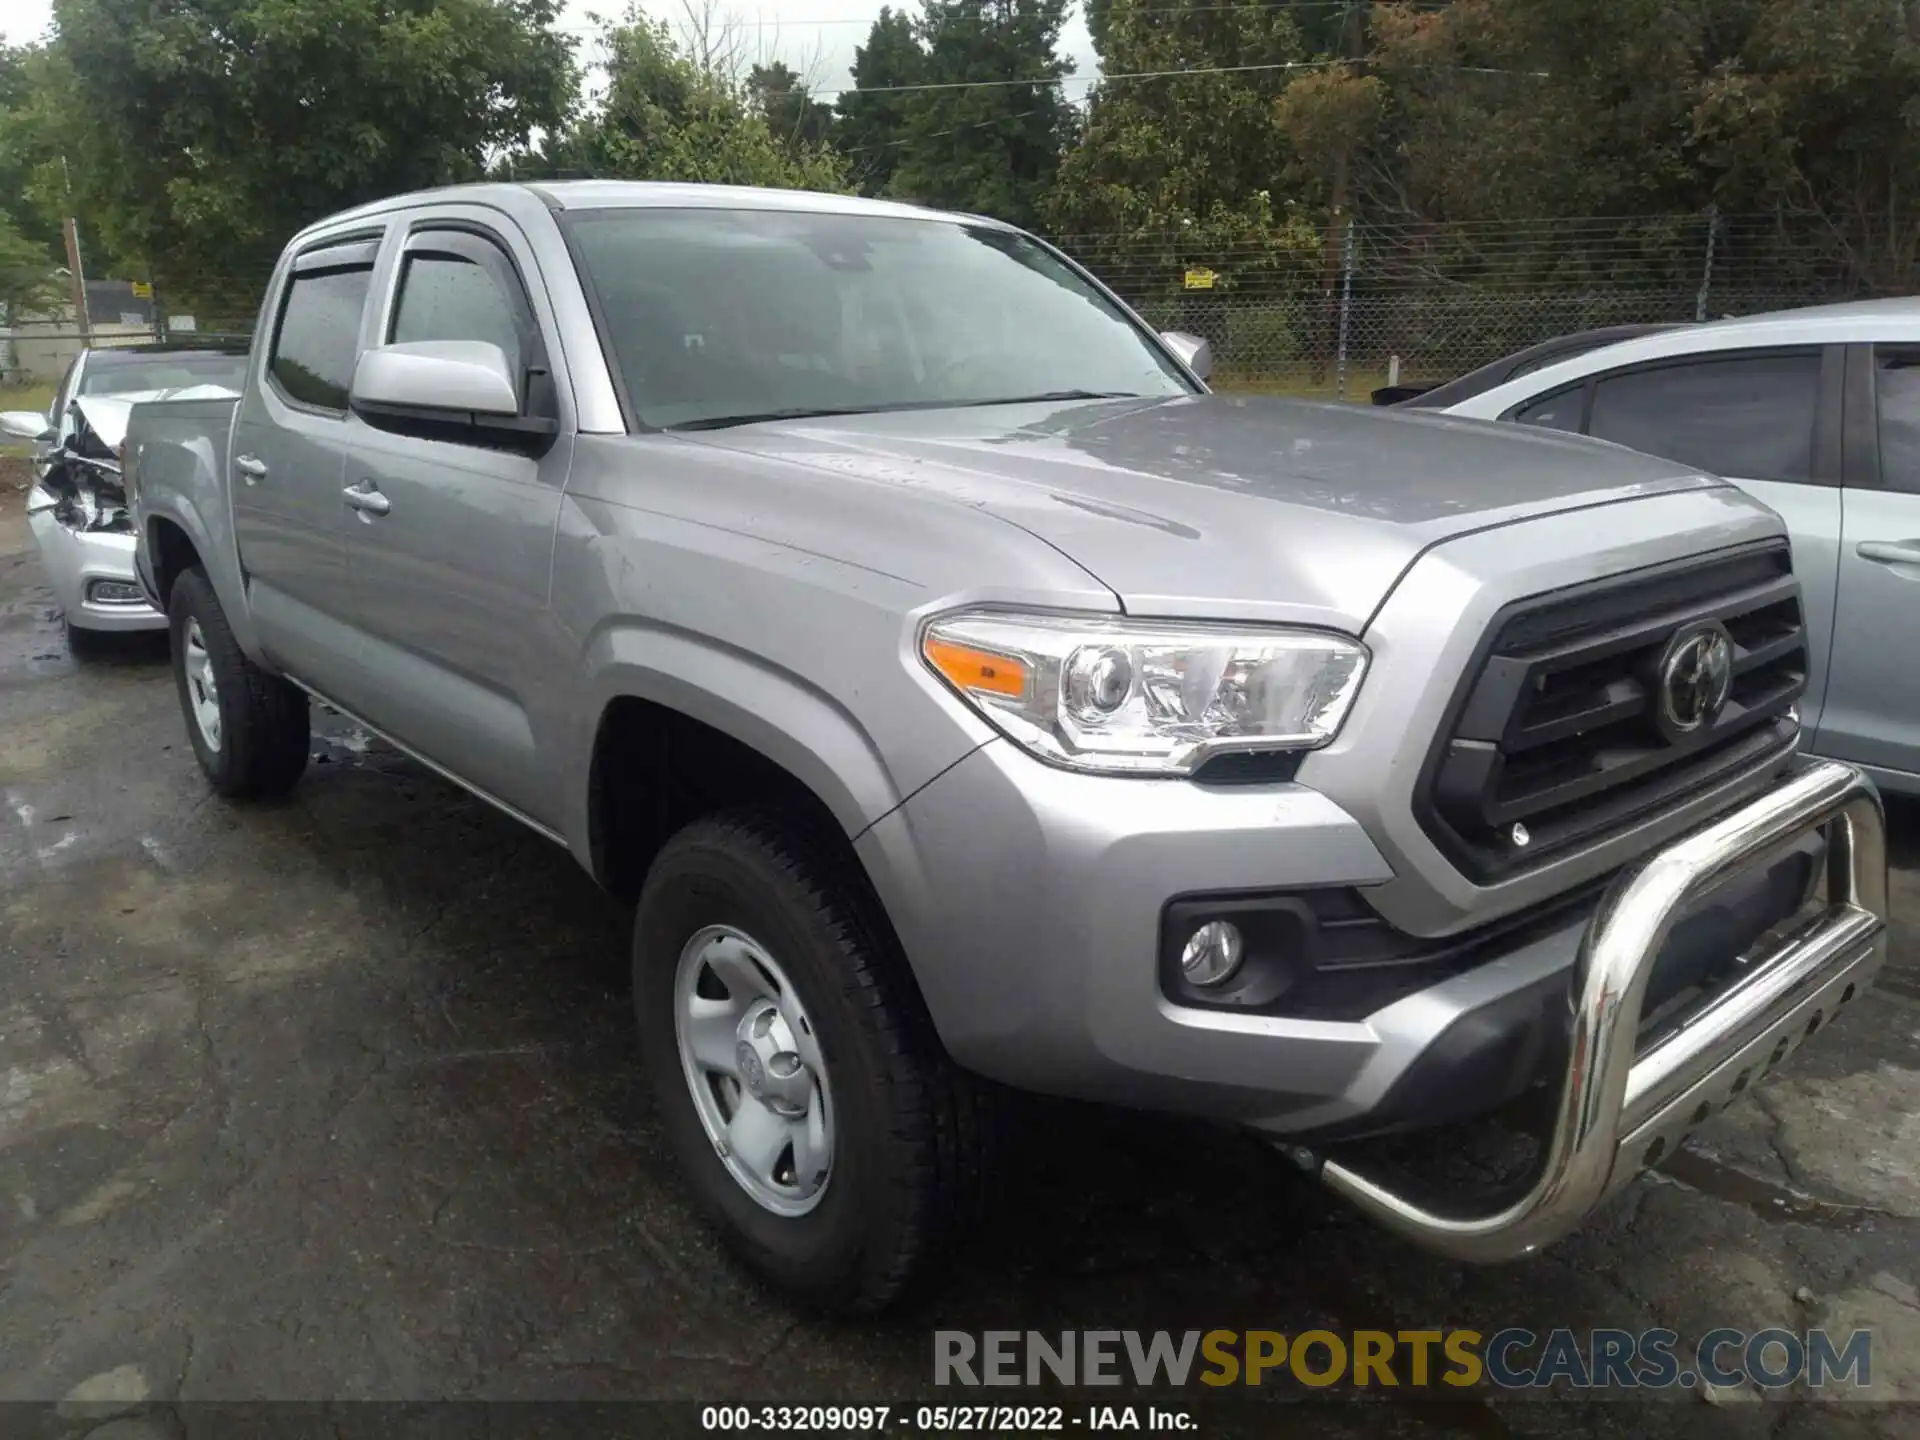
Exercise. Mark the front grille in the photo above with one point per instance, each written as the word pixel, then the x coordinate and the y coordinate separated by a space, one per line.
pixel 1554 730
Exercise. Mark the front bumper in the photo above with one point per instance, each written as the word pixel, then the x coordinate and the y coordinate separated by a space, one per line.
pixel 1621 1106
pixel 1030 900
pixel 77 560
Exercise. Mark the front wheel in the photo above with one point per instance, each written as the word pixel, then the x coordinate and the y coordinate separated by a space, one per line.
pixel 249 729
pixel 820 1125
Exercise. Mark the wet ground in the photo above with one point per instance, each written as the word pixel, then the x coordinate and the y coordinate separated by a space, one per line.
pixel 337 1099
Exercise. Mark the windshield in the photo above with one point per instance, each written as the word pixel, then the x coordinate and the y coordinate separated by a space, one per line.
pixel 721 316
pixel 169 370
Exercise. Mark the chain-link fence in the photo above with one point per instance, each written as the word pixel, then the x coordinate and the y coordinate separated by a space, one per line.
pixel 1339 308
pixel 38 352
pixel 1348 307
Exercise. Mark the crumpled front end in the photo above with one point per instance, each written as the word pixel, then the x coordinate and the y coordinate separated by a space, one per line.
pixel 86 544
pixel 79 517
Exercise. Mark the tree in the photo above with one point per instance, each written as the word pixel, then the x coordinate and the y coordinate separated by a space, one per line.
pixel 665 117
pixel 1492 110
pixel 874 114
pixel 796 119
pixel 21 205
pixel 1818 111
pixel 994 147
pixel 28 280
pixel 199 137
pixel 1187 167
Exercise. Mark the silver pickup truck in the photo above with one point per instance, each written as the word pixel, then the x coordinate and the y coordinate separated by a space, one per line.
pixel 969 699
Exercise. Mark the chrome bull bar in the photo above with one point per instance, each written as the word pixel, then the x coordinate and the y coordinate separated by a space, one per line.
pixel 1621 1109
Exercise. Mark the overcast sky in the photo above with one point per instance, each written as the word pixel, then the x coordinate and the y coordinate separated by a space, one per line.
pixel 815 37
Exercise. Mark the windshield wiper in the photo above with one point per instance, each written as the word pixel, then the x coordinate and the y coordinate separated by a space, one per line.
pixel 1052 395
pixel 797 412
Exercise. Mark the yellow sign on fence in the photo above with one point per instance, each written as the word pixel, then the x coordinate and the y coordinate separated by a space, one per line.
pixel 1200 279
pixel 142 290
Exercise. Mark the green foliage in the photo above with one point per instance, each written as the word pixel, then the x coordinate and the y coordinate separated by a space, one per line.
pixel 1491 111
pixel 28 279
pixel 1184 170
pixel 1820 110
pixel 664 117
pixel 199 137
pixel 989 149
pixel 1262 332
pixel 22 71
pixel 191 137
pixel 874 114
pixel 796 119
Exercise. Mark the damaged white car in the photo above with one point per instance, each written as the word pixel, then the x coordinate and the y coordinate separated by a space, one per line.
pixel 77 507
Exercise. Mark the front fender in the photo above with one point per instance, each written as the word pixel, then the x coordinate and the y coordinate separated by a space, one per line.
pixel 773 711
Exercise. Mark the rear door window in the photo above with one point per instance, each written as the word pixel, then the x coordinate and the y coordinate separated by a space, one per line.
pixel 318 338
pixel 1745 417
pixel 1897 378
pixel 1562 410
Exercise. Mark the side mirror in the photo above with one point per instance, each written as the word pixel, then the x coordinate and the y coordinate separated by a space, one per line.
pixel 25 425
pixel 460 391
pixel 456 381
pixel 1196 354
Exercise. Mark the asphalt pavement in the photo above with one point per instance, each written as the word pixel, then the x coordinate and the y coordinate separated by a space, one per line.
pixel 338 1098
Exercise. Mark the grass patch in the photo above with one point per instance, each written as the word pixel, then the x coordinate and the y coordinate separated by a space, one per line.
pixel 36 396
pixel 1302 385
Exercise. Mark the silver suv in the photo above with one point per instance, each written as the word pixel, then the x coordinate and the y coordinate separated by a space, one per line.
pixel 969 699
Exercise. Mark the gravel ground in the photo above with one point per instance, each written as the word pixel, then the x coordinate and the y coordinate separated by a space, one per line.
pixel 337 1099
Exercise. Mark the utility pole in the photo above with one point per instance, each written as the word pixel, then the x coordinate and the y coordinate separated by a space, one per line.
pixel 1339 223
pixel 70 231
pixel 1706 274
pixel 80 315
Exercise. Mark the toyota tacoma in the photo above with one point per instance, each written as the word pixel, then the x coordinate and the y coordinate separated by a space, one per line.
pixel 969 700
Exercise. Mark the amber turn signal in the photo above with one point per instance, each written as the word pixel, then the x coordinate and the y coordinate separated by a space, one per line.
pixel 979 672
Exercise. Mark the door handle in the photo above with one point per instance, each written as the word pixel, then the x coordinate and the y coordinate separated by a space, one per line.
pixel 367 500
pixel 1889 552
pixel 251 470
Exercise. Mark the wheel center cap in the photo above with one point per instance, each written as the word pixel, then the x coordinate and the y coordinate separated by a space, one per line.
pixel 753 1074
pixel 768 1058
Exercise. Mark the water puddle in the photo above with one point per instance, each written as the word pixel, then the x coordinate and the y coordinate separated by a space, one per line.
pixel 1768 1199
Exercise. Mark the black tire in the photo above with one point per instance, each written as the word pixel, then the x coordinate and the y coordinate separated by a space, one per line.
pixel 264 732
pixel 911 1157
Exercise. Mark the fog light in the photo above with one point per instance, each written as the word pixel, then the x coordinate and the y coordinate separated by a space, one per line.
pixel 115 592
pixel 1213 953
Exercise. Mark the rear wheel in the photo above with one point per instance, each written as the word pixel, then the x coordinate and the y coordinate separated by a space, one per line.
pixel 821 1127
pixel 249 729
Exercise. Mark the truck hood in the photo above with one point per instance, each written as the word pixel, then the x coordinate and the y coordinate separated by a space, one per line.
pixel 1234 507
pixel 107 415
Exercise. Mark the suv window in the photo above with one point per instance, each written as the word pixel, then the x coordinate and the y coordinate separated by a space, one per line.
pixel 1561 410
pixel 1749 418
pixel 451 297
pixel 319 335
pixel 1897 376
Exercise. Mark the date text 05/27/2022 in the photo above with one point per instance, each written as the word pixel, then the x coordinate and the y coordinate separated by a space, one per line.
pixel 880 1419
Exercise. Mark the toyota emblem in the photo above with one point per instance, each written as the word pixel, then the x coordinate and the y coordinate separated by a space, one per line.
pixel 1695 678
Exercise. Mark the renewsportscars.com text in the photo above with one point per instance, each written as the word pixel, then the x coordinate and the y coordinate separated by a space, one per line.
pixel 1511 1358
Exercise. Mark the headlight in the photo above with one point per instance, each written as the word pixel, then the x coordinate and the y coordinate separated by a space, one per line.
pixel 1145 697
